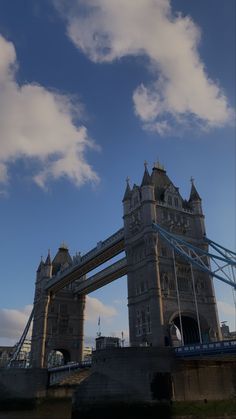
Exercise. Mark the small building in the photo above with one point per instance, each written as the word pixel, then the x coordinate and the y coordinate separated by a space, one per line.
pixel 22 359
pixel 226 333
pixel 87 353
pixel 106 342
pixel 5 355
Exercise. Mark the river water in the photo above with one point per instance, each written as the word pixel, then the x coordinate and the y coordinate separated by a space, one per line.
pixel 49 410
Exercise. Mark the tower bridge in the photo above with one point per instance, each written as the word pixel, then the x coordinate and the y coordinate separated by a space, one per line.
pixel 104 251
pixel 169 276
pixel 104 277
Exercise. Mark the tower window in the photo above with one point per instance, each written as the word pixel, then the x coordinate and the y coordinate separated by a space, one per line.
pixel 143 317
pixel 183 284
pixel 163 251
pixel 165 215
pixel 63 308
pixel 169 200
pixel 176 202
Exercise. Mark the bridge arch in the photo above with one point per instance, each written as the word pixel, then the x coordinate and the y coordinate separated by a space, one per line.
pixel 57 357
pixel 190 327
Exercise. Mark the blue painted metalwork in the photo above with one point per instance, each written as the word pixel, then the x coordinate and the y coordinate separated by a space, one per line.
pixel 217 247
pixel 212 348
pixel 196 255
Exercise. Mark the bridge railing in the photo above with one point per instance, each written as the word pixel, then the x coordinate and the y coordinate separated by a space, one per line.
pixel 225 346
pixel 56 374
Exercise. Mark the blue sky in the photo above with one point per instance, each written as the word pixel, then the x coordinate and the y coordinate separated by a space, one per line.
pixel 86 95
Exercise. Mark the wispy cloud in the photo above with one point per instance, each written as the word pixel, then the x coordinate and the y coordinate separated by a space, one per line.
pixel 95 309
pixel 12 323
pixel 181 92
pixel 41 126
pixel 226 308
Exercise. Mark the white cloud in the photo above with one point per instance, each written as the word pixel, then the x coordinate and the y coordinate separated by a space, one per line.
pixel 12 323
pixel 226 308
pixel 95 309
pixel 40 125
pixel 181 90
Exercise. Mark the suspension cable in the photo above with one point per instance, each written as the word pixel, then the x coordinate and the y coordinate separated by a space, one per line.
pixel 178 299
pixel 196 303
pixel 21 341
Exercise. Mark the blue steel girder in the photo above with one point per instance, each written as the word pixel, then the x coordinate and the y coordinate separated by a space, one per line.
pixel 229 254
pixel 200 257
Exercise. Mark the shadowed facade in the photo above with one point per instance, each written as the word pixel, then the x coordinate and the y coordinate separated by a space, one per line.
pixel 161 284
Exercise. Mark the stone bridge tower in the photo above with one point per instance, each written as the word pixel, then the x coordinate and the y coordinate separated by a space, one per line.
pixel 161 285
pixel 58 319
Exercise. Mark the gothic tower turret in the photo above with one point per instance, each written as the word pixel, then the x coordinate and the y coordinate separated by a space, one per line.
pixel 127 197
pixel 144 292
pixel 156 309
pixel 48 266
pixel 195 204
pixel 58 319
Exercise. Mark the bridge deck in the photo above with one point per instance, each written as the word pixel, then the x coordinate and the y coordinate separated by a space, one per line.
pixel 104 277
pixel 104 251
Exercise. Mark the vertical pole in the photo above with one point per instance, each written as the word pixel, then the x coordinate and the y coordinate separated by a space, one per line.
pixel 178 299
pixel 234 294
pixel 196 305
pixel 44 331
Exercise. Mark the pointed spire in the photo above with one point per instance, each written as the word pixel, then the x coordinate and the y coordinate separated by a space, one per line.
pixel 158 165
pixel 194 195
pixel 48 260
pixel 127 194
pixel 63 246
pixel 41 264
pixel 146 177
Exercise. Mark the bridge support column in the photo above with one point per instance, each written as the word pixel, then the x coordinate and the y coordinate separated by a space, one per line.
pixel 144 289
pixel 39 335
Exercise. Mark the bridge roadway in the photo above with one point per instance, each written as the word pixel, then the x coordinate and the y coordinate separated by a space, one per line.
pixel 104 251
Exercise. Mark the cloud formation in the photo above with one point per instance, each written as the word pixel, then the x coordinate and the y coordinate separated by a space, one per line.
pixel 181 92
pixel 95 309
pixel 40 125
pixel 13 321
pixel 226 308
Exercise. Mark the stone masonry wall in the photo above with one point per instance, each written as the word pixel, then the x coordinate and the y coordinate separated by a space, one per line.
pixel 145 374
pixel 18 383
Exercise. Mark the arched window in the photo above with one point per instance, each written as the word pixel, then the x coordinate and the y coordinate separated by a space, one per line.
pixel 169 200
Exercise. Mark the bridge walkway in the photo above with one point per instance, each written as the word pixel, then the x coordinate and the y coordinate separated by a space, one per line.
pixel 104 251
